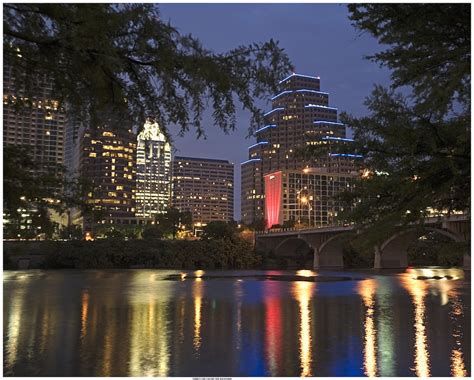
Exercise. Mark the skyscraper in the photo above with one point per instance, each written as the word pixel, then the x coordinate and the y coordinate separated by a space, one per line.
pixel 300 117
pixel 106 159
pixel 204 187
pixel 37 123
pixel 153 193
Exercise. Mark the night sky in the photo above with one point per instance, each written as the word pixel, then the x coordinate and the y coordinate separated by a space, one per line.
pixel 319 40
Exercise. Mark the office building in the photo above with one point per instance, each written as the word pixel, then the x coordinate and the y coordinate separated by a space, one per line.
pixel 153 157
pixel 37 123
pixel 107 160
pixel 300 118
pixel 304 197
pixel 205 187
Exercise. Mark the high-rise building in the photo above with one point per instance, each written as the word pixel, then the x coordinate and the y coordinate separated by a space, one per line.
pixel 304 197
pixel 107 160
pixel 37 123
pixel 300 117
pixel 205 187
pixel 153 195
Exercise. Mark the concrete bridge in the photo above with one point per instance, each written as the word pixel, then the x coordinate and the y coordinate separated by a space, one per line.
pixel 326 243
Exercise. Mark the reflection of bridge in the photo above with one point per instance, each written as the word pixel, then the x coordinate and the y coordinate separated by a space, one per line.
pixel 327 242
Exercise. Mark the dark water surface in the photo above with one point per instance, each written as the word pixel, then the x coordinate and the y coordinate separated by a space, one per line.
pixel 236 323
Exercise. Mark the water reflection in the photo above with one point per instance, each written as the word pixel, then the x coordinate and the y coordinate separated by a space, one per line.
pixel 149 331
pixel 367 289
pixel 458 368
pixel 303 291
pixel 84 312
pixel 140 323
pixel 273 326
pixel 182 306
pixel 418 290
pixel 238 294
pixel 13 324
pixel 197 295
pixel 385 329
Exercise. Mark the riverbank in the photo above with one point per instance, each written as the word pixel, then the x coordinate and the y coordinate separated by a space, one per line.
pixel 114 253
pixel 165 254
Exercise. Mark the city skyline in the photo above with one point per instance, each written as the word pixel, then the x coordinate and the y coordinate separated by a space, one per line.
pixel 292 25
pixel 341 131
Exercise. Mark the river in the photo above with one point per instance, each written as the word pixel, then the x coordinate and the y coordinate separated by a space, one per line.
pixel 236 323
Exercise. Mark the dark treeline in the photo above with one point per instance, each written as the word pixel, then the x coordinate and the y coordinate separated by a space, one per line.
pixel 223 253
pixel 116 253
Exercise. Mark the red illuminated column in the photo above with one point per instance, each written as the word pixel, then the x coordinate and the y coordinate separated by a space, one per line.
pixel 273 190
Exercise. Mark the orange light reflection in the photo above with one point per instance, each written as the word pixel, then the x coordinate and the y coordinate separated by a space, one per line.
pixel 197 292
pixel 303 291
pixel 418 290
pixel 367 289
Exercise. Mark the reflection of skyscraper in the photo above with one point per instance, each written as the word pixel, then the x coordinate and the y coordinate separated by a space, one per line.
pixel 153 171
pixel 367 289
pixel 300 117
pixel 273 327
pixel 418 291
pixel 149 329
pixel 302 291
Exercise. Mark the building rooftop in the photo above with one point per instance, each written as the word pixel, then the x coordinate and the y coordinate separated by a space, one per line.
pixel 176 158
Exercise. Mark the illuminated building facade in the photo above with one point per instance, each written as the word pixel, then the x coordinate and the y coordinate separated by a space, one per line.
pixel 107 159
pixel 153 157
pixel 300 117
pixel 38 123
pixel 204 187
pixel 304 196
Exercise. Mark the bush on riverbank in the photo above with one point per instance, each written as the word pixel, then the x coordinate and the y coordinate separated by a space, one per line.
pixel 114 253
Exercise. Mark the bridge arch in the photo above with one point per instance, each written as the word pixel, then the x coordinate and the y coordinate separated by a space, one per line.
pixel 330 253
pixel 293 247
pixel 393 253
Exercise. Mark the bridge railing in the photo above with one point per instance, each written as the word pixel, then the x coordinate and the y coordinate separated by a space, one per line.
pixel 298 229
pixel 430 219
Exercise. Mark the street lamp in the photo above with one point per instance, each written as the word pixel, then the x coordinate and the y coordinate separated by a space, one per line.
pixel 306 200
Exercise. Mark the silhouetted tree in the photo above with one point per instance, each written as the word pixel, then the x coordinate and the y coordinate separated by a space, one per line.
pixel 172 220
pixel 152 232
pixel 416 148
pixel 218 230
pixel 115 62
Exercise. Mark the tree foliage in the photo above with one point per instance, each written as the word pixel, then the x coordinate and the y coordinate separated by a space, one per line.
pixel 32 191
pixel 152 232
pixel 218 230
pixel 116 62
pixel 172 220
pixel 28 190
pixel 416 147
pixel 172 254
pixel 429 49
